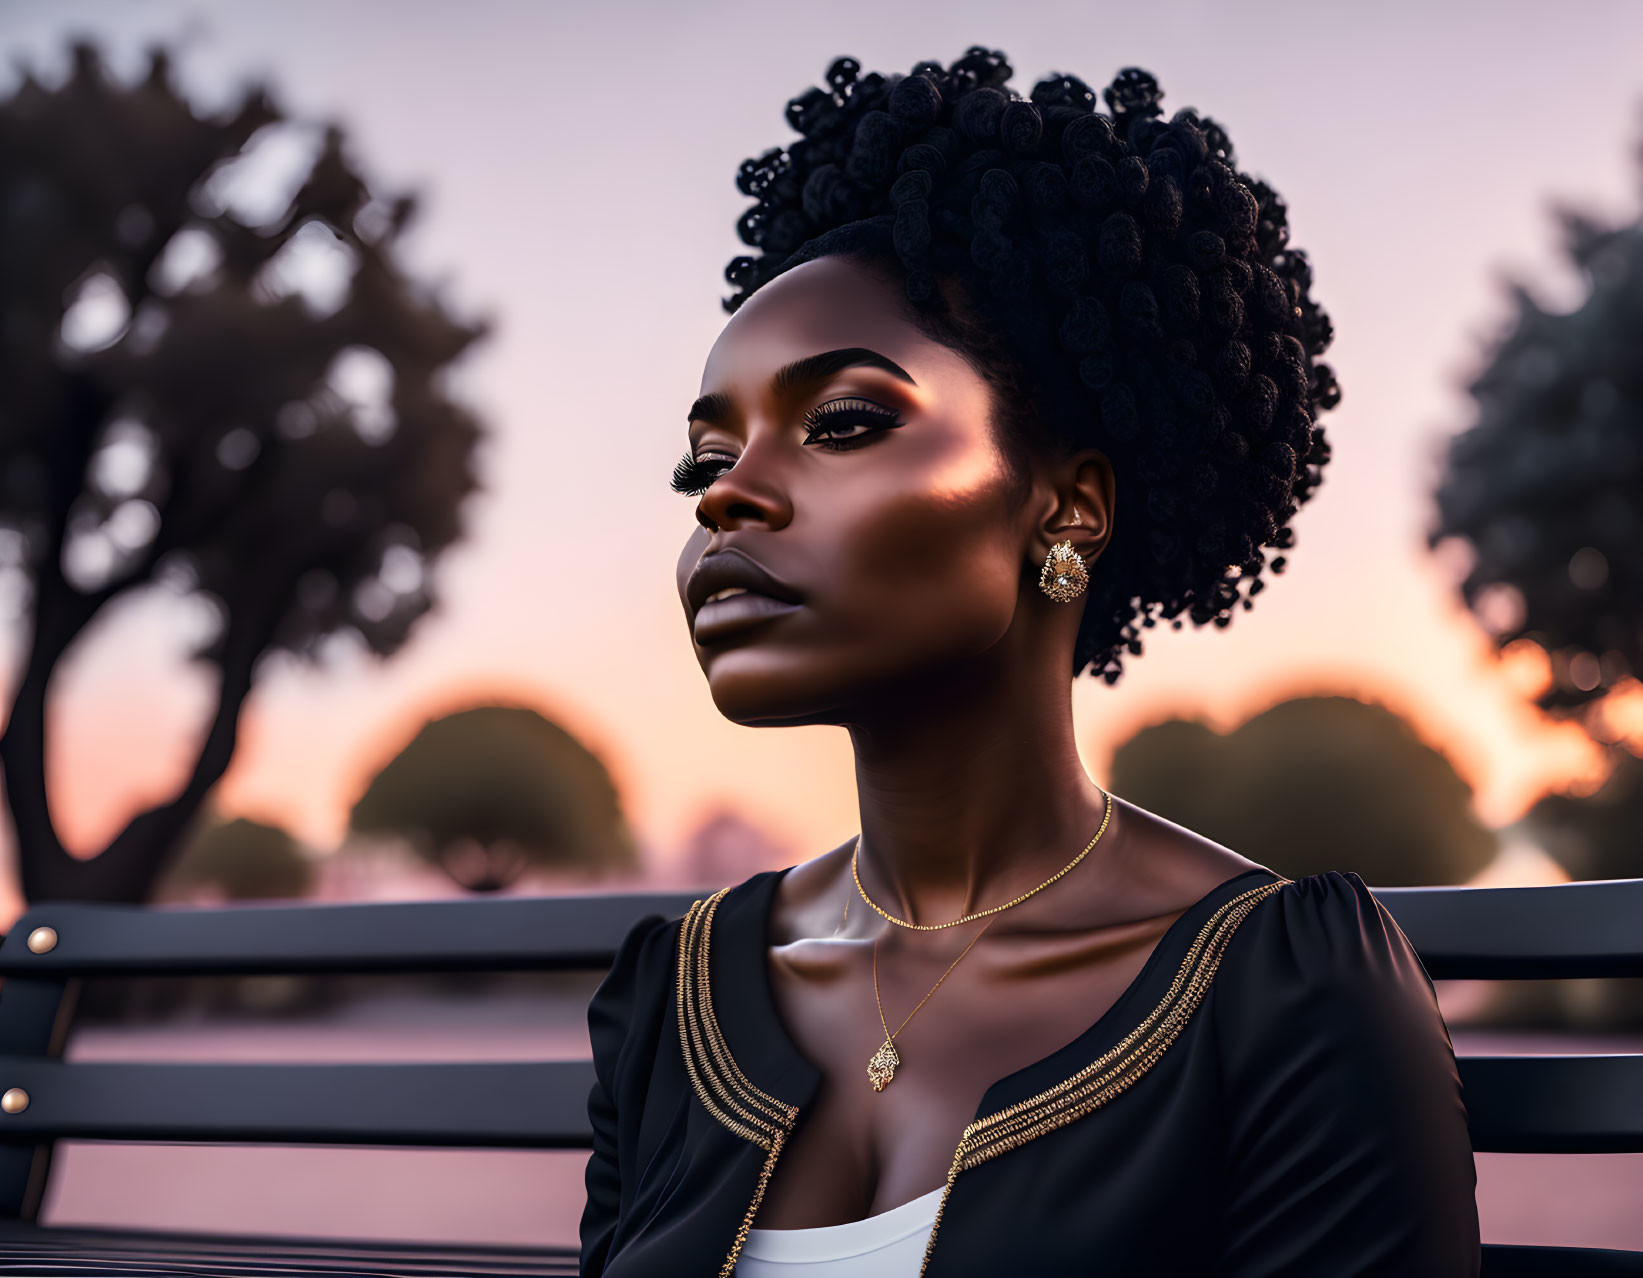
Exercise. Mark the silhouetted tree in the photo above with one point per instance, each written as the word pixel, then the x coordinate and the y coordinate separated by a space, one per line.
pixel 219 383
pixel 1546 489
pixel 1546 486
pixel 248 860
pixel 1313 784
pixel 489 792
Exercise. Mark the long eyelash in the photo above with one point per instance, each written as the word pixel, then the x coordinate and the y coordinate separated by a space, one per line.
pixel 844 412
pixel 693 477
pixel 858 408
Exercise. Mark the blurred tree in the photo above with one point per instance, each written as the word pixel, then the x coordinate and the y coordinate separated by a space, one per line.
pixel 247 859
pixel 1545 489
pixel 1167 768
pixel 1545 492
pixel 489 792
pixel 220 384
pixel 1313 784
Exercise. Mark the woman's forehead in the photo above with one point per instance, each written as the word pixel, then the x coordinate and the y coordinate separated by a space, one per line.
pixel 824 304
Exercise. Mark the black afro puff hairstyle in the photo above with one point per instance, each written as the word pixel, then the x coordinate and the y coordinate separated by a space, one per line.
pixel 1120 284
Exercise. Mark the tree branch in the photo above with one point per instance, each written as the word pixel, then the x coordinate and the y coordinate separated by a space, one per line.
pixel 133 861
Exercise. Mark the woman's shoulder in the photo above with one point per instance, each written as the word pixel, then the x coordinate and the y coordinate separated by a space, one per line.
pixel 639 974
pixel 1338 1090
pixel 647 952
pixel 1321 956
pixel 650 933
pixel 1329 922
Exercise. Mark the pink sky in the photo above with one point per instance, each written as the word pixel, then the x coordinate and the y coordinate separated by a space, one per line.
pixel 577 163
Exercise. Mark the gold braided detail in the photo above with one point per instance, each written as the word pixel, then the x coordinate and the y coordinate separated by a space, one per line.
pixel 707 1063
pixel 729 1266
pixel 941 1206
pixel 1114 1071
pixel 689 1038
pixel 725 1092
pixel 778 1110
pixel 722 1088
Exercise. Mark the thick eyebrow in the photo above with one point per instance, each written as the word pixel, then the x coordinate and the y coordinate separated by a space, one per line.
pixel 715 407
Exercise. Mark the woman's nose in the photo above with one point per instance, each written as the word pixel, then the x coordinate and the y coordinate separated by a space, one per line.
pixel 750 492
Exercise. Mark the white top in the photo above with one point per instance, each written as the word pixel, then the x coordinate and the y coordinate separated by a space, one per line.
pixel 888 1245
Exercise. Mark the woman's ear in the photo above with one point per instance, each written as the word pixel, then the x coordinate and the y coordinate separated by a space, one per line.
pixel 1080 509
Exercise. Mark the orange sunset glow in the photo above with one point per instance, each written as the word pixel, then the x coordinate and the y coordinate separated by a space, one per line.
pixel 1417 146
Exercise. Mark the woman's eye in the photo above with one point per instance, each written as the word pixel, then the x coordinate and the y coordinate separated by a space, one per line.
pixel 835 425
pixel 840 423
pixel 841 430
pixel 694 475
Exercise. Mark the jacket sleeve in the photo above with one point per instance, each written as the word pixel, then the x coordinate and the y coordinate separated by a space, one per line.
pixel 1347 1153
pixel 635 981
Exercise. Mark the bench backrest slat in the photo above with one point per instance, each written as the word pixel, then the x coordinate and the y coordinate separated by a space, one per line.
pixel 1502 933
pixel 1554 1104
pixel 473 1104
pixel 1571 929
pixel 502 934
pixel 1540 1104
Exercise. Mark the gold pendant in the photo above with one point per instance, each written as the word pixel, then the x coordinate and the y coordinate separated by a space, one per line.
pixel 882 1068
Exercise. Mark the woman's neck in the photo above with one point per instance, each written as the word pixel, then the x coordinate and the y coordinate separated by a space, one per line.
pixel 971 798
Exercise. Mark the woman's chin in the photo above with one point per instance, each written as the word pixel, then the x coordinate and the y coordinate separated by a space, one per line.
pixel 760 689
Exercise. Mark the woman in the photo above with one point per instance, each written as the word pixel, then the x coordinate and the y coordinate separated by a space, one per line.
pixel 1009 381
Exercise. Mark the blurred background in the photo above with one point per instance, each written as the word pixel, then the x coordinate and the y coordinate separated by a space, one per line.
pixel 345 350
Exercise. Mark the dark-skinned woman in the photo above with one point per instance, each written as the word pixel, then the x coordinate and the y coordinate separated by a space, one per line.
pixel 1009 381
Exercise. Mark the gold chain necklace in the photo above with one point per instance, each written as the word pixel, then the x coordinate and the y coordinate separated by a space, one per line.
pixel 1106 813
pixel 882 1068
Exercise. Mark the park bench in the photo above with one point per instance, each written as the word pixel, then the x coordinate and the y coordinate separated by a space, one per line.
pixel 1572 1104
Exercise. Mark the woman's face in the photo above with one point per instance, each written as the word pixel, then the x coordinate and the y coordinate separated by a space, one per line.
pixel 867 487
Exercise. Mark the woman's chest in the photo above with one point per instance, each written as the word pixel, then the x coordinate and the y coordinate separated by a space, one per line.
pixel 886 1122
pixel 1110 1147
pixel 1136 1182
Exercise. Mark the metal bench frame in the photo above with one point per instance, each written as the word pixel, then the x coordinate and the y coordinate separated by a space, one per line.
pixel 1540 1104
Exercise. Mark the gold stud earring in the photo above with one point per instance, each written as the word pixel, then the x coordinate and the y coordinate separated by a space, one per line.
pixel 1064 576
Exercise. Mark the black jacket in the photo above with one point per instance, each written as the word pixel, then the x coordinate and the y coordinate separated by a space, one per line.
pixel 1274 1094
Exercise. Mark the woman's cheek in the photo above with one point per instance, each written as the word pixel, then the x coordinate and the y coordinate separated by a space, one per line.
pixel 933 554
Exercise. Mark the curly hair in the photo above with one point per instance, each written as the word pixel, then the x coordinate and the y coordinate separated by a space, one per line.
pixel 1116 279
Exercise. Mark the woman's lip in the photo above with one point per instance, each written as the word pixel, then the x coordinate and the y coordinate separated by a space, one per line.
pixel 726 616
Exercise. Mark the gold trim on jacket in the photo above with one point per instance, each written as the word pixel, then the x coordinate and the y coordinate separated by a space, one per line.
pixel 758 1117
